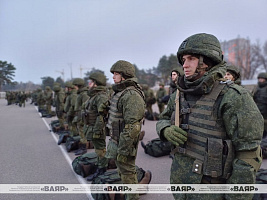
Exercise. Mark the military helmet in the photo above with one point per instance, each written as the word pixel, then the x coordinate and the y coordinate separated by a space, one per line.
pixel 201 44
pixel 56 88
pixel 178 70
pixel 78 81
pixel 234 71
pixel 47 88
pixel 68 84
pixel 124 67
pixel 262 75
pixel 161 84
pixel 99 78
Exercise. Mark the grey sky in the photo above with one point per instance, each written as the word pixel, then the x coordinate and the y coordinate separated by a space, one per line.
pixel 40 37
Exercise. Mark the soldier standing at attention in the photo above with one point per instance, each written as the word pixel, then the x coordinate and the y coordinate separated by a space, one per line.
pixel 126 111
pixel 260 97
pixel 48 99
pixel 94 119
pixel 82 97
pixel 59 105
pixel 160 94
pixel 215 126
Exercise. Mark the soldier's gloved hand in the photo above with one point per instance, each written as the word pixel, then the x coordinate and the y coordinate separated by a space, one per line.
pixel 103 108
pixel 175 135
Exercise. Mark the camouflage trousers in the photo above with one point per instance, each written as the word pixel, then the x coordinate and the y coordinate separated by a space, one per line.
pixel 100 150
pixel 127 171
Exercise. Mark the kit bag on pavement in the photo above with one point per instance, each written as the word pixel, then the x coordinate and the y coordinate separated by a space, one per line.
pixel 72 143
pixel 112 177
pixel 158 148
pixel 84 165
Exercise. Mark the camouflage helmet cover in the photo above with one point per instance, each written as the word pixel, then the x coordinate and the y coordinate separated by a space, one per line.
pixel 78 81
pixel 233 70
pixel 56 88
pixel 201 44
pixel 123 67
pixel 99 78
pixel 262 75
pixel 68 84
pixel 47 88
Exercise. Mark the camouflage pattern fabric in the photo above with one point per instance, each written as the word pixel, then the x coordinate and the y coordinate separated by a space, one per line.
pixel 236 110
pixel 160 94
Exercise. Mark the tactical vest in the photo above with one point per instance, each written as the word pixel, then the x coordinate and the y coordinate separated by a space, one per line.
pixel 115 120
pixel 260 98
pixel 206 139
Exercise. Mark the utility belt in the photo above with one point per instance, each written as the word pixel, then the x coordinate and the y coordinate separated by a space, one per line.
pixel 216 161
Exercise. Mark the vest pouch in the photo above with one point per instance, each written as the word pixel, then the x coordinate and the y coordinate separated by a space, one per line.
pixel 228 157
pixel 212 165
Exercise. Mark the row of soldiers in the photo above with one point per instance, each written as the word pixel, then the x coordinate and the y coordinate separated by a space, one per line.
pixel 92 113
pixel 17 97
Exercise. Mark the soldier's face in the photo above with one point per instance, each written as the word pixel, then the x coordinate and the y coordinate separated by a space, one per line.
pixel 229 76
pixel 174 76
pixel 190 64
pixel 261 80
pixel 117 78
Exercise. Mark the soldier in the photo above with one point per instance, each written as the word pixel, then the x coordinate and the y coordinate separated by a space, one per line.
pixel 214 138
pixel 160 94
pixel 59 105
pixel 126 112
pixel 40 100
pixel 94 119
pixel 233 74
pixel 71 113
pixel 82 97
pixel 48 95
pixel 260 98
pixel 149 99
pixel 175 74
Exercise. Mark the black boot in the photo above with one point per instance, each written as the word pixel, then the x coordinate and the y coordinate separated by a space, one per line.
pixel 62 138
pixel 98 172
pixel 82 150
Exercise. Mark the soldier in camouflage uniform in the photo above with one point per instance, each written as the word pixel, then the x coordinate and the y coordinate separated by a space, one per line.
pixel 126 112
pixel 260 97
pixel 214 137
pixel 149 98
pixel 93 117
pixel 233 74
pixel 175 74
pixel 40 100
pixel 71 113
pixel 160 94
pixel 82 97
pixel 59 105
pixel 48 95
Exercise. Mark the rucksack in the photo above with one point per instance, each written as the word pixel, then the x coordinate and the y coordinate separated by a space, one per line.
pixel 261 178
pixel 112 177
pixel 84 165
pixel 54 124
pixel 72 143
pixel 157 148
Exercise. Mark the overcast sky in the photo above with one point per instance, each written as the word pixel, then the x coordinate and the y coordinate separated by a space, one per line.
pixel 41 37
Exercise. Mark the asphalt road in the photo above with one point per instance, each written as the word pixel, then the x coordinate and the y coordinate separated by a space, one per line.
pixel 30 155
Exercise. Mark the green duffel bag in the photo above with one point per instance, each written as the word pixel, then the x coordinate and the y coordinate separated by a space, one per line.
pixel 72 143
pixel 157 148
pixel 112 177
pixel 84 165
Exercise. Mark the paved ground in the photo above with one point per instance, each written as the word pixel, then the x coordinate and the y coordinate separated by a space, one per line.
pixel 30 155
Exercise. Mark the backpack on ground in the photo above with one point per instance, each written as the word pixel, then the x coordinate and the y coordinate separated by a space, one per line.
pixel 54 124
pixel 84 165
pixel 112 177
pixel 157 148
pixel 72 143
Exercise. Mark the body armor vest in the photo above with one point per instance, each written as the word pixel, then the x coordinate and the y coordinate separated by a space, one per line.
pixel 90 114
pixel 115 120
pixel 260 98
pixel 206 139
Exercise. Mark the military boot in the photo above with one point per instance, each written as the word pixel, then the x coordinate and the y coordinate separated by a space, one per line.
pixel 82 150
pixel 98 172
pixel 146 179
